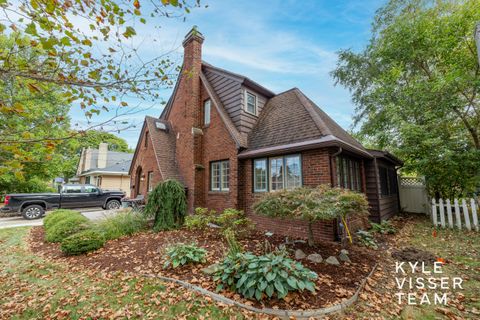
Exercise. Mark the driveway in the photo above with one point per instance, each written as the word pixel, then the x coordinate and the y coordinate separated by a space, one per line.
pixel 18 221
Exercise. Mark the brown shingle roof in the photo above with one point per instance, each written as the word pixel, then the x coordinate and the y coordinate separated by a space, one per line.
pixel 163 142
pixel 290 118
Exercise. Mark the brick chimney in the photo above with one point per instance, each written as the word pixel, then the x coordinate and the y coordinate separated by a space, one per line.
pixel 192 66
pixel 102 155
pixel 185 114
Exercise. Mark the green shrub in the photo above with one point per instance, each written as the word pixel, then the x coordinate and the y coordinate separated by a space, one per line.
pixel 232 219
pixel 366 239
pixel 82 242
pixel 269 275
pixel 167 204
pixel 181 254
pixel 57 216
pixel 66 228
pixel 200 219
pixel 123 223
pixel 384 228
pixel 234 246
pixel 312 204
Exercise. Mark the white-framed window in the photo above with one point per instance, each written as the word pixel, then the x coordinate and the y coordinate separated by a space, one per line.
pixel 251 103
pixel 219 176
pixel 206 112
pixel 150 181
pixel 277 173
pixel 260 175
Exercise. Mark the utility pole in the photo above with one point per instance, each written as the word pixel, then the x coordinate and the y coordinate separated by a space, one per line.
pixel 477 39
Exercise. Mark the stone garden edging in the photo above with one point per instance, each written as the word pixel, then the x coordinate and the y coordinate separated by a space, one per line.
pixel 300 314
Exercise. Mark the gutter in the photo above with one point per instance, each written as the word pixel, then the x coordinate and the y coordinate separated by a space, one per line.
pixel 112 173
pixel 325 141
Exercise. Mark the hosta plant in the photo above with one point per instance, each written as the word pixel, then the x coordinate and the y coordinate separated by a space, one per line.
pixel 182 254
pixel 384 228
pixel 366 239
pixel 264 276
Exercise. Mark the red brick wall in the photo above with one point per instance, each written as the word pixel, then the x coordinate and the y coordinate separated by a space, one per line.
pixel 146 160
pixel 217 144
pixel 315 171
pixel 185 114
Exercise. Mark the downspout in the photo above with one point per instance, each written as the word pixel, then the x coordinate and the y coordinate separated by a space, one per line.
pixel 332 178
pixel 398 188
pixel 339 226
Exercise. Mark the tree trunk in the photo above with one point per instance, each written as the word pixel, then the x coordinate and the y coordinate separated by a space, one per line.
pixel 310 235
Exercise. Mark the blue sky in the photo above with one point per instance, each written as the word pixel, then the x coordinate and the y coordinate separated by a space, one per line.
pixel 280 44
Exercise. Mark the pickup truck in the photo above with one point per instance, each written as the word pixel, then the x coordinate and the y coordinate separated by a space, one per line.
pixel 33 205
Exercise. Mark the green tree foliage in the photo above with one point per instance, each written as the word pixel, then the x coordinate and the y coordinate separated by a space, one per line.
pixel 27 116
pixel 312 204
pixel 90 47
pixel 37 120
pixel 416 88
pixel 57 53
pixel 167 203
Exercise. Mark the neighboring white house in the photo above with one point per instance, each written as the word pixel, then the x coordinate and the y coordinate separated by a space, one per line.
pixel 103 168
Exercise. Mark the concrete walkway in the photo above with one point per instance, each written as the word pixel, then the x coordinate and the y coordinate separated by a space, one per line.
pixel 19 221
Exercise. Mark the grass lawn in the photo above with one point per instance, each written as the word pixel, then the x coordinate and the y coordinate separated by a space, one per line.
pixel 33 288
pixel 460 249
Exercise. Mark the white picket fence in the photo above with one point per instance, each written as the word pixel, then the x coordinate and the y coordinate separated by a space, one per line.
pixel 461 213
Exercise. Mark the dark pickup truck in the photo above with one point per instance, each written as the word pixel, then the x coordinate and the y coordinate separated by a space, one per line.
pixel 34 205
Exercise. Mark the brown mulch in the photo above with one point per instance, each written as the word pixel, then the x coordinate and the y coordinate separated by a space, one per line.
pixel 142 253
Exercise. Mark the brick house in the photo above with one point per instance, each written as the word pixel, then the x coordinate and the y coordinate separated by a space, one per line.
pixel 229 140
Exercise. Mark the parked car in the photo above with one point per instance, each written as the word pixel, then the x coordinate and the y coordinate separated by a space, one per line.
pixel 34 205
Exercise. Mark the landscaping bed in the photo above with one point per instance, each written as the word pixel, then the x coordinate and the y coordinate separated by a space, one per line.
pixel 143 254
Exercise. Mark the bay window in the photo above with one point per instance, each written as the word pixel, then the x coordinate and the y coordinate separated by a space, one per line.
pixel 277 173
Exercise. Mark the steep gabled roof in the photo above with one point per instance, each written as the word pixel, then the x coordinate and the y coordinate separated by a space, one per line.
pixel 241 78
pixel 239 139
pixel 291 120
pixel 163 144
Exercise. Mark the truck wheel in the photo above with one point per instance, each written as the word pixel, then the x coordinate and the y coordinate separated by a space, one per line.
pixel 113 204
pixel 33 211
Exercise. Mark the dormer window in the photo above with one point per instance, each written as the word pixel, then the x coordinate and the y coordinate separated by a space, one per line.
pixel 251 106
pixel 206 112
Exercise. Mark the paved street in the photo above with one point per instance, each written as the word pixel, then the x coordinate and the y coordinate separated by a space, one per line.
pixel 18 221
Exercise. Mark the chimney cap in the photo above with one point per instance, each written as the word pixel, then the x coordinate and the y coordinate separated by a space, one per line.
pixel 193 34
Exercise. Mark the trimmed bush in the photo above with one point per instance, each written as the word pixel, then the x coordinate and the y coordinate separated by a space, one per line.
pixel 182 254
pixel 269 275
pixel 82 242
pixel 123 223
pixel 66 228
pixel 167 204
pixel 313 204
pixel 57 216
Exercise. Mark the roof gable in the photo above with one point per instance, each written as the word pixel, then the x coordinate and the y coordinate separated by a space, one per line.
pixel 290 118
pixel 239 139
pixel 163 144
